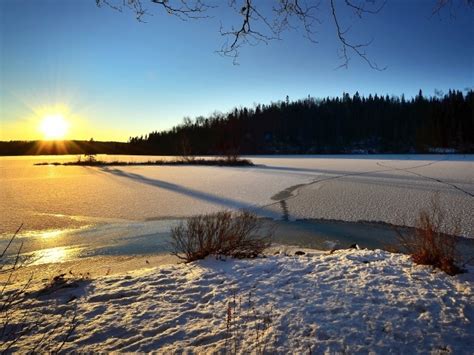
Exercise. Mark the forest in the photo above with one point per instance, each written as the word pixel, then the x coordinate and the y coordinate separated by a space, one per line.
pixel 357 124
pixel 443 123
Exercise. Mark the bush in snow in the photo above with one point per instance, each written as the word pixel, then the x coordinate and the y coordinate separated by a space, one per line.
pixel 222 233
pixel 427 245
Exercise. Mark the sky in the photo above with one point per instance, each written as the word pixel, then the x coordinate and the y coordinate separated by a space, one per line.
pixel 112 77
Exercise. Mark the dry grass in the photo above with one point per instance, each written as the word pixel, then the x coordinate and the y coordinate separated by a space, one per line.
pixel 427 245
pixel 20 315
pixel 243 314
pixel 222 233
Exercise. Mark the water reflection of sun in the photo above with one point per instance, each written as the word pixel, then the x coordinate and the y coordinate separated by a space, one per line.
pixel 51 233
pixel 54 255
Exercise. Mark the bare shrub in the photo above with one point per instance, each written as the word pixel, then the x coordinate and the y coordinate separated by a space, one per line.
pixel 186 151
pixel 90 158
pixel 231 155
pixel 222 233
pixel 428 245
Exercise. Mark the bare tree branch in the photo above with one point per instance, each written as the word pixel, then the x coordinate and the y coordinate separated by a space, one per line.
pixel 346 45
pixel 194 9
pixel 261 22
pixel 442 4
pixel 246 34
pixel 361 9
pixel 183 9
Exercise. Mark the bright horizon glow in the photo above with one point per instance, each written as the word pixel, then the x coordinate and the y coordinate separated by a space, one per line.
pixel 54 126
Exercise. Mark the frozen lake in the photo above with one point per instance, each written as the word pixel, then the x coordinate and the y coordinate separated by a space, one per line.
pixel 72 206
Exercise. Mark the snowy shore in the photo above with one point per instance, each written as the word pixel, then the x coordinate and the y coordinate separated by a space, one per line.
pixel 354 301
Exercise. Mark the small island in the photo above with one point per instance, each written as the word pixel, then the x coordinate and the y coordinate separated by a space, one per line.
pixel 92 161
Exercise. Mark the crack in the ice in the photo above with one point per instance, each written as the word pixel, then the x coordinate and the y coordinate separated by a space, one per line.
pixel 428 177
pixel 283 204
pixel 294 190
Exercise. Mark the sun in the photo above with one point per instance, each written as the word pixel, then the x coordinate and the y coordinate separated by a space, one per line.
pixel 54 126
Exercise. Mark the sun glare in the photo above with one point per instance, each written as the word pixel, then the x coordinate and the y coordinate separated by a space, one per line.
pixel 54 126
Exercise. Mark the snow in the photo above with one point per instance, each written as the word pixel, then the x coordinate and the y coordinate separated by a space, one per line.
pixel 384 188
pixel 390 189
pixel 355 301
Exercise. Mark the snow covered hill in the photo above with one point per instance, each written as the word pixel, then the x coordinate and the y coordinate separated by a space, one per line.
pixel 354 301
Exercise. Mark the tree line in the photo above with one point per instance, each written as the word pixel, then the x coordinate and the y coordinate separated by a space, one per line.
pixel 347 124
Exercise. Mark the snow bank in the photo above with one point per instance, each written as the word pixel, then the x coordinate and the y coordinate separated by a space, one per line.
pixel 350 301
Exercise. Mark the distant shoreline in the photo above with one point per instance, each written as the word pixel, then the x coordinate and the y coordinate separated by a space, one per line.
pixel 78 147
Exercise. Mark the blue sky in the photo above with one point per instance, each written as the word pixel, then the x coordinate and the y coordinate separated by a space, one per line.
pixel 117 77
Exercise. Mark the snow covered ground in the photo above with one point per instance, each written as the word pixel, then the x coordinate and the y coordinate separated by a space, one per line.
pixel 384 188
pixel 390 189
pixel 354 301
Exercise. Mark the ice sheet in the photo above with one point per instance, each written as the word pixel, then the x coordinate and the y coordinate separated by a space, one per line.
pixel 391 189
